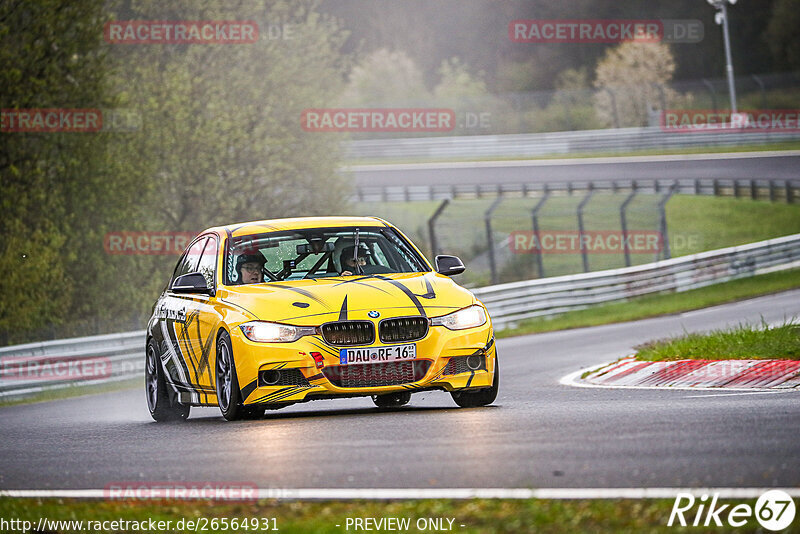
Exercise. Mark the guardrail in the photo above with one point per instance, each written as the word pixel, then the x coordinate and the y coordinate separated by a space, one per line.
pixel 553 143
pixel 121 356
pixel 513 302
pixel 51 365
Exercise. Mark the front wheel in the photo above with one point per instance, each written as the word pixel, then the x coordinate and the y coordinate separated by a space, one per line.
pixel 229 396
pixel 392 400
pixel 481 397
pixel 162 407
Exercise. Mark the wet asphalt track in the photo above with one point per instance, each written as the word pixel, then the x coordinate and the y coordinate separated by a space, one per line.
pixel 725 166
pixel 538 434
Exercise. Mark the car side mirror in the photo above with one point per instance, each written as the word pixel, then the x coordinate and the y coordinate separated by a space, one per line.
pixel 191 283
pixel 449 265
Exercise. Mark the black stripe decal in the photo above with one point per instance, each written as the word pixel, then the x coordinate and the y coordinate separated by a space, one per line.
pixel 269 396
pixel 359 281
pixel 249 388
pixel 430 293
pixel 176 344
pixel 343 311
pixel 410 294
pixel 303 292
pixel 471 376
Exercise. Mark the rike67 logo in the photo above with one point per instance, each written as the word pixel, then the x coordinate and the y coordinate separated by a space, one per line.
pixel 774 510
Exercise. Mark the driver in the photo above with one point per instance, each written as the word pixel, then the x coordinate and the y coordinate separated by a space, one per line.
pixel 250 268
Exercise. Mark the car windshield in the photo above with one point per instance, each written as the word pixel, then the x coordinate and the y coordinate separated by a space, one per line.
pixel 318 253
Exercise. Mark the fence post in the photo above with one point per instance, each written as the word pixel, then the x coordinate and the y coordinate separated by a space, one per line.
pixel 753 190
pixel 487 217
pixel 432 226
pixel 623 220
pixel 581 230
pixel 535 219
pixel 613 106
pixel 760 83
pixel 713 92
pixel 662 96
pixel 772 191
pixel 662 208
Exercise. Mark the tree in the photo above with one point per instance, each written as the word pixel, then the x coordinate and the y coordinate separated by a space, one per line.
pixel 221 140
pixel 50 57
pixel 632 81
pixel 781 34
pixel 385 77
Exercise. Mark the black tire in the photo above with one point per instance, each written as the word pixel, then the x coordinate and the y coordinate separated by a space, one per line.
pixel 229 396
pixel 163 406
pixel 480 397
pixel 392 400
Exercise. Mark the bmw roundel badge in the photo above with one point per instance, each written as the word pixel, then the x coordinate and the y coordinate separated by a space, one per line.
pixel 374 314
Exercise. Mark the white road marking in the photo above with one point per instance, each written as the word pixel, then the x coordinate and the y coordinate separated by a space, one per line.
pixel 737 394
pixel 442 493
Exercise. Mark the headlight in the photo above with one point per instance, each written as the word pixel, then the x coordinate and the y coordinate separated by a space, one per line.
pixel 264 332
pixel 470 317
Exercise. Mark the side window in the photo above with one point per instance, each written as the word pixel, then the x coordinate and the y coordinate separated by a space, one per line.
pixel 191 258
pixel 208 261
pixel 378 255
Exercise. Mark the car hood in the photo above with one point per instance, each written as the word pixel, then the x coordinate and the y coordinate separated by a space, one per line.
pixel 313 302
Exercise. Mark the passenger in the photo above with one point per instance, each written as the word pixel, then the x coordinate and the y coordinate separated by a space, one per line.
pixel 351 265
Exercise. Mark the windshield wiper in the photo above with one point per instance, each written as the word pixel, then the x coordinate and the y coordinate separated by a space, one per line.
pixel 359 270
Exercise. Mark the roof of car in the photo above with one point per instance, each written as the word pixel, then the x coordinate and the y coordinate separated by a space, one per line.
pixel 297 223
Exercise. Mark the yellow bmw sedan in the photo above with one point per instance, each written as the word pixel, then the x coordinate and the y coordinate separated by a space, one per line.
pixel 265 314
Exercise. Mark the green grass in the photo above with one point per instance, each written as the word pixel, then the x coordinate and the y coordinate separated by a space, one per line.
pixel 74 391
pixel 477 516
pixel 787 145
pixel 661 304
pixel 745 342
pixel 719 222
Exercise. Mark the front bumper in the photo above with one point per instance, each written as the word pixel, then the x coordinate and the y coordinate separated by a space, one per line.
pixel 303 379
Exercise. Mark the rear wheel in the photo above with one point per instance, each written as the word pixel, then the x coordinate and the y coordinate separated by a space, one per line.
pixel 392 400
pixel 162 405
pixel 480 397
pixel 229 396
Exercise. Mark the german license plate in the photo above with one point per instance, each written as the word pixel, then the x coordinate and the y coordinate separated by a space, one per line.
pixel 394 353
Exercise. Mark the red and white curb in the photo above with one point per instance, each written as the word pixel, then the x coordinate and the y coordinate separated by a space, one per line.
pixel 744 375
